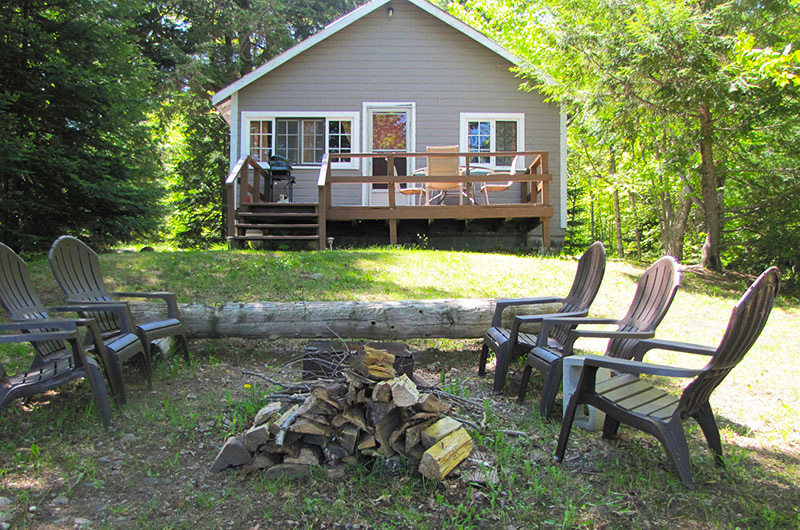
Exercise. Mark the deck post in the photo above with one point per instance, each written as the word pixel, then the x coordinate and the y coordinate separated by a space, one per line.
pixel 391 185
pixel 323 194
pixel 546 232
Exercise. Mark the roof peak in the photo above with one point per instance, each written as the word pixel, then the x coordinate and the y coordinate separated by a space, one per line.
pixel 345 21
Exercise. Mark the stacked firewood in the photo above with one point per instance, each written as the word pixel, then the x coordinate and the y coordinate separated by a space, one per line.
pixel 367 411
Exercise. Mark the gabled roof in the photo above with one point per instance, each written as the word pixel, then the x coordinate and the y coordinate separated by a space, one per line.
pixel 345 21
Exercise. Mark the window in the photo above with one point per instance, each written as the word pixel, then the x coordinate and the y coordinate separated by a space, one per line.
pixel 261 140
pixel 303 141
pixel 340 137
pixel 486 133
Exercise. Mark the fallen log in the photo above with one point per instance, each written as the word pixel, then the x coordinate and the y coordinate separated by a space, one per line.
pixel 397 320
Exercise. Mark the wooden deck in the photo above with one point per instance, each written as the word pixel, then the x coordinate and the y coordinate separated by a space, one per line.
pixel 255 219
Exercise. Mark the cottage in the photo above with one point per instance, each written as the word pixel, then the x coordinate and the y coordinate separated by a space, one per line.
pixel 385 83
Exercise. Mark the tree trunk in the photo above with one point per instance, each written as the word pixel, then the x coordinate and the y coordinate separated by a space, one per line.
pixel 398 320
pixel 636 230
pixel 673 222
pixel 617 217
pixel 709 190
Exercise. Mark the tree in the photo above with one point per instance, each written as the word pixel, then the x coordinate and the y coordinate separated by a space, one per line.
pixel 673 64
pixel 73 139
pixel 223 41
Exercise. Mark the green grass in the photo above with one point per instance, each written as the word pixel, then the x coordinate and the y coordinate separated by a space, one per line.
pixel 151 469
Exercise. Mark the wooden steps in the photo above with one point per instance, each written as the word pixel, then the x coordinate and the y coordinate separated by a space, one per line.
pixel 283 222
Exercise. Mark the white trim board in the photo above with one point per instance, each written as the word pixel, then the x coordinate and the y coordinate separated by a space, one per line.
pixel 345 21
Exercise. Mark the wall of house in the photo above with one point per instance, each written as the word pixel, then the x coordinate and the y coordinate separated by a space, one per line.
pixel 409 57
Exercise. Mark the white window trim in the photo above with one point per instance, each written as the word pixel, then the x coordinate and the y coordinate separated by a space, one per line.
pixel 466 117
pixel 354 117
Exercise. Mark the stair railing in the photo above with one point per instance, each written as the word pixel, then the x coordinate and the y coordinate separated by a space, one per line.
pixel 245 183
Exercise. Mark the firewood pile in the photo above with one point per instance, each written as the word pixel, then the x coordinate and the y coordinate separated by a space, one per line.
pixel 365 411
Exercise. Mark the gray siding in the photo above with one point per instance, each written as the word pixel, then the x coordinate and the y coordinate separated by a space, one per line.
pixel 410 57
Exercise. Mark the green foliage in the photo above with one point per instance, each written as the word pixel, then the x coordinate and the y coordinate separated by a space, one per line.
pixel 196 167
pixel 680 92
pixel 220 43
pixel 73 142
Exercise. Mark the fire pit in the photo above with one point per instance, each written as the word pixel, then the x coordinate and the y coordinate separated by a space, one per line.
pixel 325 359
pixel 357 401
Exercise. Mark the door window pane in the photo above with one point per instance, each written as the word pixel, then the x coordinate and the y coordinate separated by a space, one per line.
pixel 389 131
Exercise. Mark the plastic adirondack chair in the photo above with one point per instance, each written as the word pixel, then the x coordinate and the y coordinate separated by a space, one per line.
pixel 54 369
pixel 77 272
pixel 21 303
pixel 508 344
pixel 655 291
pixel 627 399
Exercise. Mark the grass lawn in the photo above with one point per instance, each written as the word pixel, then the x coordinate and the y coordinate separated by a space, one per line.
pixel 59 469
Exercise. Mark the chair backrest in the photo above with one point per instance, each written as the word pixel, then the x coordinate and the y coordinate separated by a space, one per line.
pixel 655 291
pixel 591 268
pixel 748 318
pixel 442 166
pixel 19 299
pixel 76 268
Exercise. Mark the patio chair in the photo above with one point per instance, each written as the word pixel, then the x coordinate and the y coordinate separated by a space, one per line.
pixel 442 167
pixel 77 272
pixel 55 369
pixel 21 304
pixel 508 344
pixel 655 291
pixel 628 399
pixel 487 187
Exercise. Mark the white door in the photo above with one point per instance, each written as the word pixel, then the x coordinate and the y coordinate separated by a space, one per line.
pixel 390 127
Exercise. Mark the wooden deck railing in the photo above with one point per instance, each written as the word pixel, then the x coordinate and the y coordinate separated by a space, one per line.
pixel 534 199
pixel 243 184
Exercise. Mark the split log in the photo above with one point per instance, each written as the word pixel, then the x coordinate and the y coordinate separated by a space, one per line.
pixel 256 436
pixel 267 413
pixel 404 391
pixel 432 403
pixel 308 456
pixel 348 437
pixel 395 320
pixel 439 430
pixel 382 392
pixel 374 364
pixel 446 454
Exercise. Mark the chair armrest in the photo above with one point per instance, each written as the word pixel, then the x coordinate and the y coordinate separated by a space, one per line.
pixel 635 367
pixel 169 298
pixel 530 319
pixel 503 303
pixel 549 323
pixel 584 320
pixel 611 334
pixel 657 344
pixel 21 325
pixel 120 309
pixel 44 335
